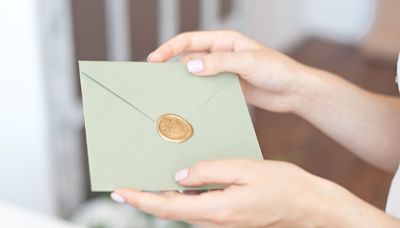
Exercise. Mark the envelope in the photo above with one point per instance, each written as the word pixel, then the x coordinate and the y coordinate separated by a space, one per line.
pixel 123 103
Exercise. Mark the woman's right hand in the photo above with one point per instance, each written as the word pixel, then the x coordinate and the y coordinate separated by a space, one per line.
pixel 269 79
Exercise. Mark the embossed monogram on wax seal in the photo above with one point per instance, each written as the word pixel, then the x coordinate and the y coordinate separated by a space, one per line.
pixel 174 128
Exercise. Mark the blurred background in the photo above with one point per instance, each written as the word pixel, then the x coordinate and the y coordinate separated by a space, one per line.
pixel 43 162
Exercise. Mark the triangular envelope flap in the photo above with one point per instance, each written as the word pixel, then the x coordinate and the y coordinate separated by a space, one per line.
pixel 155 88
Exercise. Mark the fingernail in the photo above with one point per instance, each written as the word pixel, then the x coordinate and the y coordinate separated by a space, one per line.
pixel 182 174
pixel 117 198
pixel 195 66
pixel 149 57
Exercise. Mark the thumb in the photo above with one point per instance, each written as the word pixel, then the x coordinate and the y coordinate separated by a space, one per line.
pixel 217 62
pixel 215 172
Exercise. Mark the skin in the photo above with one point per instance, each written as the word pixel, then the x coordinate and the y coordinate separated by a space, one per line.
pixel 272 193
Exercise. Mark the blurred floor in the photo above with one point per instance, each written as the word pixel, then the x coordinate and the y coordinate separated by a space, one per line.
pixel 290 138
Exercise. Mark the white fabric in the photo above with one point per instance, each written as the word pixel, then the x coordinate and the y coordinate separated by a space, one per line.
pixel 398 73
pixel 393 201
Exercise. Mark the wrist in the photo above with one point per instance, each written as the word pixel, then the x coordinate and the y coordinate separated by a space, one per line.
pixel 332 207
pixel 337 207
pixel 310 86
pixel 329 205
pixel 321 207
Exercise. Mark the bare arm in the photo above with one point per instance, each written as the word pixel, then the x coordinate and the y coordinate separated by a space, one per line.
pixel 272 193
pixel 366 123
pixel 259 194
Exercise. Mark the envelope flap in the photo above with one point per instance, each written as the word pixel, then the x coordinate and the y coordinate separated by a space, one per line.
pixel 155 88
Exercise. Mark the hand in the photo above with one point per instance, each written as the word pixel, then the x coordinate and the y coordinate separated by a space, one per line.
pixel 275 82
pixel 270 80
pixel 259 194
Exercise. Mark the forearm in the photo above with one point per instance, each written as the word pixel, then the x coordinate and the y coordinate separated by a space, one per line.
pixel 366 123
pixel 339 208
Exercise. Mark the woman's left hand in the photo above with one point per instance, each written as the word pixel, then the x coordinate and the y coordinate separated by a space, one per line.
pixel 258 194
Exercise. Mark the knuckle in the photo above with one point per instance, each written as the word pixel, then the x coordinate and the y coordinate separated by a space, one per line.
pixel 232 32
pixel 224 216
pixel 136 203
pixel 250 55
pixel 247 169
pixel 213 58
pixel 247 164
pixel 166 214
pixel 186 58
pixel 249 58
pixel 183 35
pixel 217 62
pixel 198 169
pixel 202 163
pixel 287 165
pixel 294 168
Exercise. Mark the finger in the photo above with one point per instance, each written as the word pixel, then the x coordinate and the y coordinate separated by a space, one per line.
pixel 241 63
pixel 263 98
pixel 174 207
pixel 192 55
pixel 145 201
pixel 215 172
pixel 202 41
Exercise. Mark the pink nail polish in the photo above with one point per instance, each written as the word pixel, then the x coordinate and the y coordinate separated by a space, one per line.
pixel 117 198
pixel 182 174
pixel 195 66
pixel 149 57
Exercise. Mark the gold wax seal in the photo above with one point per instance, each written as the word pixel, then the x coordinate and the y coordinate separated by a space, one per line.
pixel 174 128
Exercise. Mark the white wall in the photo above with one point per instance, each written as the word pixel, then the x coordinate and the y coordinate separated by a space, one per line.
pixel 25 169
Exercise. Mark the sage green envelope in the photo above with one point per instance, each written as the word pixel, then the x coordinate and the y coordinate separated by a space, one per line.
pixel 122 102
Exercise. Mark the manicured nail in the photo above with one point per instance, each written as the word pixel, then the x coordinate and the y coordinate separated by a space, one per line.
pixel 117 198
pixel 182 174
pixel 195 66
pixel 149 57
